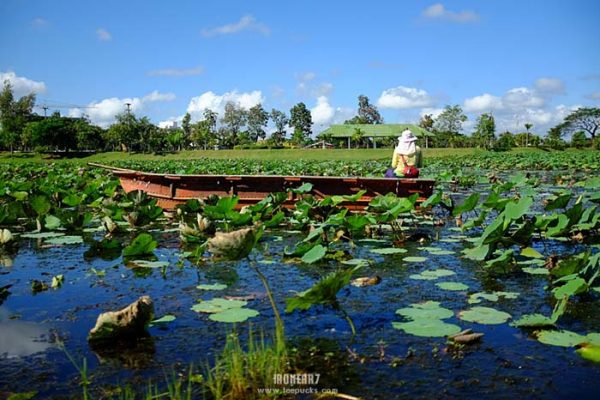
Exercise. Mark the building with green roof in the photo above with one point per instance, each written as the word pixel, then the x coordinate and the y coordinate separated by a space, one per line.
pixel 373 132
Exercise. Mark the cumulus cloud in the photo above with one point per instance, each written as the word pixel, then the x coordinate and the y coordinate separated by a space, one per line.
pixel 177 72
pixel 246 23
pixel 103 35
pixel 22 86
pixel 323 112
pixel 522 97
pixel 402 97
pixel 215 102
pixel 549 86
pixel 485 102
pixel 434 112
pixel 438 11
pixel 103 112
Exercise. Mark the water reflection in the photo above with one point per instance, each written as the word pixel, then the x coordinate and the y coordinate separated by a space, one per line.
pixel 21 338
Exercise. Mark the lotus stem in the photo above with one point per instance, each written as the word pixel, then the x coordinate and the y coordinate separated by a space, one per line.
pixel 279 328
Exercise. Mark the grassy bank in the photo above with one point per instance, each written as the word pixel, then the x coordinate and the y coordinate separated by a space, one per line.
pixel 280 154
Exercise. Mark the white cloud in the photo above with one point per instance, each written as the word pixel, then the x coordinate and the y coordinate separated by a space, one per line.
pixel 103 35
pixel 215 102
pixel 323 112
pixel 549 86
pixel 307 76
pixel 246 23
pixel 22 86
pixel 594 95
pixel 39 22
pixel 522 97
pixel 157 96
pixel 485 102
pixel 438 11
pixel 177 72
pixel 434 112
pixel 404 97
pixel 103 112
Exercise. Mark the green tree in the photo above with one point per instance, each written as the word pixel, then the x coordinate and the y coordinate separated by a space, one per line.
pixel 554 138
pixel 450 120
pixel 301 121
pixel 122 134
pixel 579 140
pixel 280 120
pixel 88 136
pixel 528 126
pixel 367 113
pixel 234 119
pixel 586 119
pixel 505 142
pixel 13 116
pixel 426 122
pixel 357 137
pixel 257 120
pixel 187 129
pixel 485 131
pixel 51 134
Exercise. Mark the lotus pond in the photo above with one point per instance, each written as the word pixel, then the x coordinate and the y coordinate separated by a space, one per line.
pixel 376 303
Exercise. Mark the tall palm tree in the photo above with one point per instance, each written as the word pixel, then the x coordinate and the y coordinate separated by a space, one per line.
pixel 528 126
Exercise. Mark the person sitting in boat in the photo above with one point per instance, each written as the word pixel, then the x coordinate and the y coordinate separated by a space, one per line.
pixel 407 158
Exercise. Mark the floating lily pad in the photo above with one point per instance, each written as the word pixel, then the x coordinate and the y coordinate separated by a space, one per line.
pixel 590 352
pixel 165 319
pixel 389 250
pixel 427 310
pixel 65 240
pixel 450 240
pixel 455 286
pixel 532 261
pixel 314 254
pixel 414 259
pixel 217 305
pixel 356 261
pixel 429 249
pixel 421 277
pixel 42 235
pixel 533 321
pixel 149 264
pixel 531 253
pixel 560 338
pixel 493 296
pixel 442 252
pixel 427 327
pixel 233 315
pixel 214 286
pixel 371 241
pixel 484 315
pixel 536 271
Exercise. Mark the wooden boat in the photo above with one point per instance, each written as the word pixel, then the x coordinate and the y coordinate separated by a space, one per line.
pixel 174 189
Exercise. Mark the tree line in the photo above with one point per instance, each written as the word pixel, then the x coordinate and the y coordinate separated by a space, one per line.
pixel 21 129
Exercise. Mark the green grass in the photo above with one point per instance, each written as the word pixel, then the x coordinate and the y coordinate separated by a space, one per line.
pixel 279 154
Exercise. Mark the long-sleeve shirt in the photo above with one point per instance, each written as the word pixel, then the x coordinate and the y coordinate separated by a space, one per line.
pixel 414 159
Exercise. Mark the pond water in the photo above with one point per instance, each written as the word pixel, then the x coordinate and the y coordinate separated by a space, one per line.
pixel 380 362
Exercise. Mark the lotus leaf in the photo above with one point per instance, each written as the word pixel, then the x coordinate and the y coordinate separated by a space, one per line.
pixel 234 245
pixel 233 315
pixel 484 315
pixel 389 250
pixel 143 244
pixel 214 286
pixel 217 305
pixel 414 259
pixel 560 338
pixel 533 321
pixel 572 287
pixel 65 240
pixel 536 271
pixel 149 264
pixel 427 327
pixel 427 310
pixel 41 235
pixel 455 286
pixel 531 253
pixel 163 320
pixel 314 254
pixel 590 352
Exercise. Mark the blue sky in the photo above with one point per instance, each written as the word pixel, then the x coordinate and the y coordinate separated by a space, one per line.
pixel 524 61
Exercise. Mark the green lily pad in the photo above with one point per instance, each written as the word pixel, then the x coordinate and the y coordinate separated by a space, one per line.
pixel 149 264
pixel 65 240
pixel 217 305
pixel 42 235
pixel 442 252
pixel 533 321
pixel 493 296
pixel 165 319
pixel 531 253
pixel 536 271
pixel 455 286
pixel 389 250
pixel 422 277
pixel 532 261
pixel 314 254
pixel 450 240
pixel 214 286
pixel 427 310
pixel 484 315
pixel 356 261
pixel 233 315
pixel 429 249
pixel 427 327
pixel 414 259
pixel 590 352
pixel 560 338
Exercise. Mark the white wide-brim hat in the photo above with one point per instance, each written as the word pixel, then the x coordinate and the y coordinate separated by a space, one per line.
pixel 407 137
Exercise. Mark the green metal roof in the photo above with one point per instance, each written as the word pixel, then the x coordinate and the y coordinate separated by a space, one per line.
pixel 382 130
